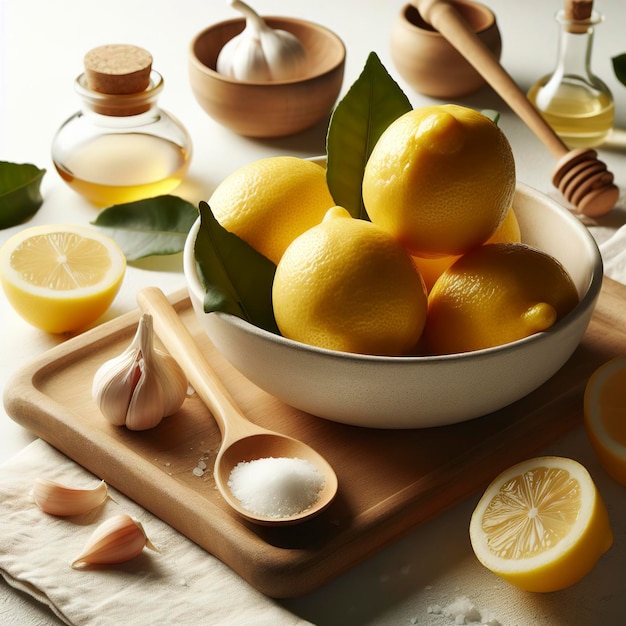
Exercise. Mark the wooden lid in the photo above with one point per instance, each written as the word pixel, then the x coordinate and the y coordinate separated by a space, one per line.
pixel 118 69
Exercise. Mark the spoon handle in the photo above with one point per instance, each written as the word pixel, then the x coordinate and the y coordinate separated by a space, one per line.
pixel 182 347
pixel 444 17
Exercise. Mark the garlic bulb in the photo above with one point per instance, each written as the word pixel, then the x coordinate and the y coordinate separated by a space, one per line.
pixel 261 53
pixel 141 386
pixel 57 499
pixel 117 540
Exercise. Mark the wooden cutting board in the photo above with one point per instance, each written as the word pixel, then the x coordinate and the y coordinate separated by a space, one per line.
pixel 389 481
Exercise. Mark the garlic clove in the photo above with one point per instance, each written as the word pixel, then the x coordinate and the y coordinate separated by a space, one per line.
pixel 175 392
pixel 261 53
pixel 246 60
pixel 284 54
pixel 113 385
pixel 116 540
pixel 147 405
pixel 57 499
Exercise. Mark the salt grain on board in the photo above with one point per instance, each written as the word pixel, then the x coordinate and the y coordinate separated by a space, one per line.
pixel 276 487
pixel 463 611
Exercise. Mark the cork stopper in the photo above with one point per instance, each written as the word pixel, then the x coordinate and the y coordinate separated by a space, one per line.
pixel 118 69
pixel 578 15
pixel 578 10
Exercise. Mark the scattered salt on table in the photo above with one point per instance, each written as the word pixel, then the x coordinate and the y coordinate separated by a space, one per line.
pixel 276 487
pixel 463 611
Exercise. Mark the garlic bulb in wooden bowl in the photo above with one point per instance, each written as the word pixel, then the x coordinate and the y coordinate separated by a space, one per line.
pixel 262 108
pixel 261 53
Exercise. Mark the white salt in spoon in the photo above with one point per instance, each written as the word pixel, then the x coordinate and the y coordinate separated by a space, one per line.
pixel 241 439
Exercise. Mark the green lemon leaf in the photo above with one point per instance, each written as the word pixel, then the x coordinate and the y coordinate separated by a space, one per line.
pixel 155 226
pixel 619 66
pixel 359 119
pixel 20 192
pixel 237 279
pixel 493 115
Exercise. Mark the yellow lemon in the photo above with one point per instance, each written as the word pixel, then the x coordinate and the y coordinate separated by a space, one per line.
pixel 495 294
pixel 604 410
pixel 541 524
pixel 440 179
pixel 269 202
pixel 61 278
pixel 432 268
pixel 347 285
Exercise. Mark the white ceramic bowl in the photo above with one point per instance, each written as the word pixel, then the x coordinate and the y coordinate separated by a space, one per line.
pixel 417 392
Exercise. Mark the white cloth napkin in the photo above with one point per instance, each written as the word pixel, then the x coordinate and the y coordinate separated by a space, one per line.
pixel 179 584
pixel 613 252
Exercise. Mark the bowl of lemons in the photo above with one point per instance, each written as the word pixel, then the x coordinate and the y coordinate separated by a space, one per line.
pixel 396 317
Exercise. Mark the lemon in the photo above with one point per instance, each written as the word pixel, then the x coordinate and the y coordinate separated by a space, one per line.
pixel 432 268
pixel 495 294
pixel 61 278
pixel 541 524
pixel 347 285
pixel 440 179
pixel 269 202
pixel 604 410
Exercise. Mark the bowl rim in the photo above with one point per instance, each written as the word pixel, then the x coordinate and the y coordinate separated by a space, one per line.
pixel 209 71
pixel 490 19
pixel 585 302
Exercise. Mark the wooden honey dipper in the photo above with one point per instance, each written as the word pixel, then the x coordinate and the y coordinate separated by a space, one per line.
pixel 583 180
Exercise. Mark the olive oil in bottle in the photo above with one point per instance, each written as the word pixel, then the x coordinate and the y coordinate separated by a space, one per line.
pixel 573 100
pixel 114 169
pixel 120 147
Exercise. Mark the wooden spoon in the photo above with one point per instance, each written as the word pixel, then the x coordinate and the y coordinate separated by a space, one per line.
pixel 582 179
pixel 241 439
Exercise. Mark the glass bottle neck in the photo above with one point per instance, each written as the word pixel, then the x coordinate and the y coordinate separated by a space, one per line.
pixel 120 105
pixel 575 45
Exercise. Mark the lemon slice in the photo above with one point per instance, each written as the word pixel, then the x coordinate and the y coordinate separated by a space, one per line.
pixel 541 524
pixel 605 407
pixel 61 278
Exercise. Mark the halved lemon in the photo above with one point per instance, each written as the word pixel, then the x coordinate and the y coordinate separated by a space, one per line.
pixel 61 278
pixel 541 524
pixel 605 416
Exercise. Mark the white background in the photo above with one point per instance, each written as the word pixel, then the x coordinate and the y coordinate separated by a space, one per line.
pixel 41 48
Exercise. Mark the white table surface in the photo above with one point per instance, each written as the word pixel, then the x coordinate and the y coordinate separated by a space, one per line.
pixel 41 48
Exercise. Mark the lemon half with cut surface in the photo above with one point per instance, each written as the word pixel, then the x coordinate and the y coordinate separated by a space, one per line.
pixel 541 524
pixel 605 416
pixel 61 278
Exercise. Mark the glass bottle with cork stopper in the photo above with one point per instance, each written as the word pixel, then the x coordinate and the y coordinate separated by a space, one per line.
pixel 573 100
pixel 120 147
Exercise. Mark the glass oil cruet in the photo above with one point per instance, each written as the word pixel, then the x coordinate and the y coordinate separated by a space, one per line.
pixel 120 147
pixel 575 102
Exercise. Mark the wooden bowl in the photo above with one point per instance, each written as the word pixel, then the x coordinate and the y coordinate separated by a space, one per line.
pixel 268 109
pixel 429 63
